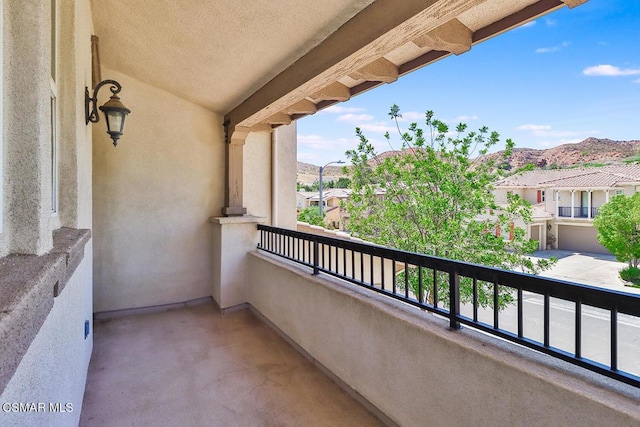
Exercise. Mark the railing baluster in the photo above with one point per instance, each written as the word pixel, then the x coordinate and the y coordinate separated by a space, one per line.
pixel 496 317
pixel 362 267
pixel 454 299
pixel 406 278
pixel 547 304
pixel 420 290
pixel 394 279
pixel 353 264
pixel 520 318
pixel 305 251
pixel 578 337
pixel 614 337
pixel 315 257
pixel 475 299
pixel 435 287
pixel 344 262
pixel 371 270
pixel 381 272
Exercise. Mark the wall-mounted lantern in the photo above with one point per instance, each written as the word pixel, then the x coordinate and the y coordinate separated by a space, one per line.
pixel 114 111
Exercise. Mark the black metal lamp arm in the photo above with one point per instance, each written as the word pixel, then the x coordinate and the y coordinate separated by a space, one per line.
pixel 91 103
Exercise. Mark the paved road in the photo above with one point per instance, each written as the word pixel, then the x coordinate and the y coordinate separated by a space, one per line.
pixel 590 269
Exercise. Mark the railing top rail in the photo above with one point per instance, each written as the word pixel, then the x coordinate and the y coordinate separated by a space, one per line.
pixel 624 302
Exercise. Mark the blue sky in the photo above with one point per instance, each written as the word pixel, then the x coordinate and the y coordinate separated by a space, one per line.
pixel 568 75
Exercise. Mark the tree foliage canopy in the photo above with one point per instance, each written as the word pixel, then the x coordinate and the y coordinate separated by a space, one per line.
pixel 432 198
pixel 618 225
pixel 311 215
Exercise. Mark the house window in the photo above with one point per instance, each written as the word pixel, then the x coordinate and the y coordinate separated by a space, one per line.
pixel 53 112
pixel 619 192
pixel 540 196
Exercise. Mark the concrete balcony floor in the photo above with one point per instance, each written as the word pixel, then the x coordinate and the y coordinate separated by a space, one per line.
pixel 192 366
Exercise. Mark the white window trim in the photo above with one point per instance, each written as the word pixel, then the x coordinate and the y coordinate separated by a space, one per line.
pixel 54 107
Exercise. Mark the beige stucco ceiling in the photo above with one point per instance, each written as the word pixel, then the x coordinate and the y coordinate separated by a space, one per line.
pixel 263 63
pixel 214 53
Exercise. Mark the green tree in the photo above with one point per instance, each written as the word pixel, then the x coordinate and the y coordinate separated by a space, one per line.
pixel 618 225
pixel 343 182
pixel 437 202
pixel 311 215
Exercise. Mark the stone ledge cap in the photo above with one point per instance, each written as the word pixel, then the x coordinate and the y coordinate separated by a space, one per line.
pixel 245 219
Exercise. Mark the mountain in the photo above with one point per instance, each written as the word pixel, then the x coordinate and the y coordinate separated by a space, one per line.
pixel 308 173
pixel 591 150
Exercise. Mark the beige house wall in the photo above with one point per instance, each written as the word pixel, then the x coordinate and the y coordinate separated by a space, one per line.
pixel 54 367
pixel 153 196
pixel 531 195
pixel 599 198
pixel 408 364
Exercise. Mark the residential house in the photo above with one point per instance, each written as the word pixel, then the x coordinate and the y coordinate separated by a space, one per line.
pixel 333 200
pixel 170 215
pixel 567 200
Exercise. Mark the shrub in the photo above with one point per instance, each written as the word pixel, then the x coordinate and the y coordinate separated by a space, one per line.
pixel 631 274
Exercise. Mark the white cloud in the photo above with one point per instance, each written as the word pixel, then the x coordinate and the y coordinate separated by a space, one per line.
pixel 528 24
pixel 354 118
pixel 318 142
pixel 379 127
pixel 411 116
pixel 533 127
pixel 610 70
pixel 551 49
pixel 465 118
pixel 338 109
pixel 545 131
pixel 637 81
pixel 550 22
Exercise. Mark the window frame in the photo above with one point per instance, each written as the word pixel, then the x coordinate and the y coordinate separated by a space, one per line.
pixel 53 106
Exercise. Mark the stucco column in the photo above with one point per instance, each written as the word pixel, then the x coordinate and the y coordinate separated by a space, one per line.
pixel 284 168
pixel 589 205
pixel 573 203
pixel 233 156
pixel 606 196
pixel 233 239
pixel 27 125
pixel 557 200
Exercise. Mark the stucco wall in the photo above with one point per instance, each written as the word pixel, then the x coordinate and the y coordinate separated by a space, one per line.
pixel 152 197
pixel 26 130
pixel 285 175
pixel 257 175
pixel 411 367
pixel 54 369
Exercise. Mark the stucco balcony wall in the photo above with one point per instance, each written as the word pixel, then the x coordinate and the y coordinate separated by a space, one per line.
pixel 412 368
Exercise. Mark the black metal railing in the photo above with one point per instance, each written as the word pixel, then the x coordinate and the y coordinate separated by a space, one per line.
pixel 434 284
pixel 578 212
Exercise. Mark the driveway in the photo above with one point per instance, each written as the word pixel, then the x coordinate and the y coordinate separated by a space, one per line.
pixel 589 269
